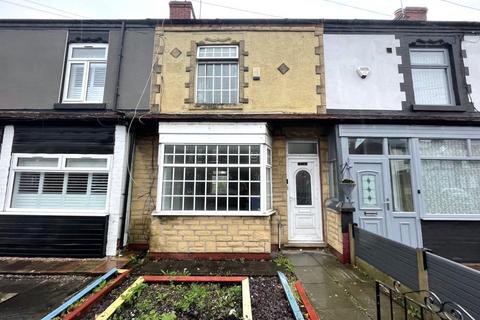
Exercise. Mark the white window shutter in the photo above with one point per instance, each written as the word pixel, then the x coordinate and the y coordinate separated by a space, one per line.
pixel 75 81
pixel 96 82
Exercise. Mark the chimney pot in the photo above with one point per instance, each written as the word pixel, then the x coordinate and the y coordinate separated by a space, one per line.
pixel 411 14
pixel 181 10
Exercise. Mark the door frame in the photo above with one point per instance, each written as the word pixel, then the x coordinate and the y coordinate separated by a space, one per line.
pixel 317 176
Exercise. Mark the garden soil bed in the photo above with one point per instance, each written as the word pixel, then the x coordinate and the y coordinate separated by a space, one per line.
pixel 267 298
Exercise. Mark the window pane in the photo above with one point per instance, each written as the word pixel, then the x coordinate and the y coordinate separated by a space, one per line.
pixel 302 148
pixel 398 147
pixel 443 148
pixel 53 182
pixel 96 82
pixel 75 81
pixel 86 163
pixel 424 57
pixel 38 162
pixel 431 86
pixel 217 52
pixel 451 187
pixel 77 183
pixel 303 186
pixel 365 145
pixel 89 53
pixel 475 148
pixel 400 174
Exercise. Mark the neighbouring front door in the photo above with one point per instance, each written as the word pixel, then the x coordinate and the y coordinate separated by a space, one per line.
pixel 383 199
pixel 304 203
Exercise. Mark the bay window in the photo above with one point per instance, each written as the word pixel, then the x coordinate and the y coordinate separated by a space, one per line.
pixel 214 174
pixel 58 182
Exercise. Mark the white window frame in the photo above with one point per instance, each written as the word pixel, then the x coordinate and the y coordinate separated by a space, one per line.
pixel 86 67
pixel 446 67
pixel 217 60
pixel 61 167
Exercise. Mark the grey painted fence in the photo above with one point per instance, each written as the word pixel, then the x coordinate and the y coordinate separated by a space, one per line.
pixel 454 282
pixel 393 258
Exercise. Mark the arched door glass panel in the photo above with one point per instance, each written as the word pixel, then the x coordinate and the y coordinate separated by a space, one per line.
pixel 303 184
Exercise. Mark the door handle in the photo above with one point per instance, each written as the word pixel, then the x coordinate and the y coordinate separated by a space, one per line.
pixel 387 203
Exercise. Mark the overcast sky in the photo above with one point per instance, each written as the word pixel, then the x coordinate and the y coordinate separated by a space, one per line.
pixel 138 9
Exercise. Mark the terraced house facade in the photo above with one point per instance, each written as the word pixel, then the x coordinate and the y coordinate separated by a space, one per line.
pixel 234 138
pixel 223 155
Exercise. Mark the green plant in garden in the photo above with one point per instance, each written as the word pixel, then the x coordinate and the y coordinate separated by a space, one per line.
pixel 130 297
pixel 412 311
pixel 282 261
pixel 175 273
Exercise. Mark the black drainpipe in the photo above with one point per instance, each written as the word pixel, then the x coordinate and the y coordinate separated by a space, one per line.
pixel 120 58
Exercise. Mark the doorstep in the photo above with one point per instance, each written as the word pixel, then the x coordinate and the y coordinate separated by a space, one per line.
pixel 304 245
pixel 97 266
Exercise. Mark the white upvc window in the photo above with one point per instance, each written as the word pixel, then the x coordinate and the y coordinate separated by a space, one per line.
pixel 217 75
pixel 214 169
pixel 56 183
pixel 85 74
pixel 431 76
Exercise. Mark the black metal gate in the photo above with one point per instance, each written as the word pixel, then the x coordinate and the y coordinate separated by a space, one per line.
pixel 393 304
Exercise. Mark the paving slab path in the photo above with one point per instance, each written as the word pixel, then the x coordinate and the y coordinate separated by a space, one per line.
pixel 336 291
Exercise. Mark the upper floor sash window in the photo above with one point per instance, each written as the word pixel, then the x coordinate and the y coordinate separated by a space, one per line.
pixel 217 75
pixel 85 73
pixel 431 76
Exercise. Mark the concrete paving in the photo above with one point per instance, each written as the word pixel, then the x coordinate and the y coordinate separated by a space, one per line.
pixel 337 291
pixel 16 265
pixel 36 295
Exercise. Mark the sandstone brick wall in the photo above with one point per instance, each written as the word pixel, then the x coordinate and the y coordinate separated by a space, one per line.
pixel 334 230
pixel 279 189
pixel 144 188
pixel 207 234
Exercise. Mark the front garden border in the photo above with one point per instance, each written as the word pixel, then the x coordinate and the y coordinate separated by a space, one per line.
pixel 89 288
pixel 246 301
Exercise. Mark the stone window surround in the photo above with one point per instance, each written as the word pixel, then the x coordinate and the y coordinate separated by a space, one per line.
pixel 460 88
pixel 191 69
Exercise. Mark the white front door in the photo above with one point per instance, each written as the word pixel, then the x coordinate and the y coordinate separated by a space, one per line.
pixel 304 202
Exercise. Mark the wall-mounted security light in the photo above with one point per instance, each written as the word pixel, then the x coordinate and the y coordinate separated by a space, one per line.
pixel 363 72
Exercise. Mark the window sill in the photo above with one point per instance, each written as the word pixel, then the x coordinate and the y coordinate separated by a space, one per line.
pixel 426 107
pixel 197 107
pixel 26 212
pixel 79 106
pixel 450 217
pixel 212 214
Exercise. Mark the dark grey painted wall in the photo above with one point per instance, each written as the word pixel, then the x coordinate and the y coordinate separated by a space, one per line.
pixel 32 62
